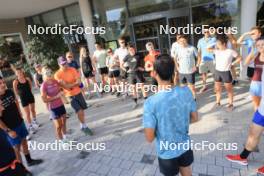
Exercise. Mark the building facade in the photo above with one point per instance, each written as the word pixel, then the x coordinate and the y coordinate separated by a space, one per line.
pixel 139 20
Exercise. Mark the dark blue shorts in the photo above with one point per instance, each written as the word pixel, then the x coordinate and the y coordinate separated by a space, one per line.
pixel 258 119
pixel 56 113
pixel 78 102
pixel 21 132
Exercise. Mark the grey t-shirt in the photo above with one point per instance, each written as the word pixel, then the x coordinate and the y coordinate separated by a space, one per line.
pixel 186 59
pixel 133 62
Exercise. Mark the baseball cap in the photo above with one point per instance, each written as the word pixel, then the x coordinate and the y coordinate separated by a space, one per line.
pixel 62 60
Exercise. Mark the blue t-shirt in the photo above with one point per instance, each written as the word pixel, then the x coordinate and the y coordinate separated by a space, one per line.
pixel 73 64
pixel 168 112
pixel 249 43
pixel 202 47
pixel 7 154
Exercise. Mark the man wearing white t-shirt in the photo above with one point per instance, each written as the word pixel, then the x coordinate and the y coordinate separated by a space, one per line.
pixel 174 49
pixel 99 57
pixel 120 54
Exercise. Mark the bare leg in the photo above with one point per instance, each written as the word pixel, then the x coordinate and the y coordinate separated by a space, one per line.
pixel 233 72
pixel 32 110
pixel 27 113
pixel 17 152
pixel 255 132
pixel 256 102
pixel 80 115
pixel 218 91
pixel 229 89
pixel 58 128
pixel 186 171
pixel 204 78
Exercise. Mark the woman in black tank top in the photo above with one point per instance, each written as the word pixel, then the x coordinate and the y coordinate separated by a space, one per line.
pixel 22 87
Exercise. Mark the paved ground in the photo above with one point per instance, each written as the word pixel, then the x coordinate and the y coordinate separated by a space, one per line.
pixel 119 127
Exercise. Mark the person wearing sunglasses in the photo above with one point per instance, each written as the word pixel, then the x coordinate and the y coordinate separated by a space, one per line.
pixel 206 60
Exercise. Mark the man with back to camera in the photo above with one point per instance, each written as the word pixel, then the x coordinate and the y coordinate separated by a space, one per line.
pixel 166 118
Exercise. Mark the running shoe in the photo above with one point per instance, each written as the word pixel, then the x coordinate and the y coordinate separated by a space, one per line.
pixel 87 131
pixel 260 170
pixel 31 130
pixel 234 82
pixel 35 124
pixel 237 159
pixel 29 136
pixel 34 162
pixel 230 107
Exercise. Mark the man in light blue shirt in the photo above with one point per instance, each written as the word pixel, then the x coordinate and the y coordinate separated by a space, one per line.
pixel 167 115
pixel 205 59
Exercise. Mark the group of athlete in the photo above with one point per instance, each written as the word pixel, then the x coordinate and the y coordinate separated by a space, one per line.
pixel 71 83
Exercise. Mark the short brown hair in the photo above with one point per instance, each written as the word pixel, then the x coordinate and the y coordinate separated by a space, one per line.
pixel 258 28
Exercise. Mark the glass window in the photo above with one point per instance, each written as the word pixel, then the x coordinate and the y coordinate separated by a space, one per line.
pixel 260 14
pixel 224 13
pixel 73 14
pixel 113 16
pixel 53 17
pixel 140 7
pixel 36 20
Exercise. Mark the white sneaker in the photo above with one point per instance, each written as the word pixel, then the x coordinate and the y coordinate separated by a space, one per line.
pixel 35 124
pixel 31 130
pixel 29 136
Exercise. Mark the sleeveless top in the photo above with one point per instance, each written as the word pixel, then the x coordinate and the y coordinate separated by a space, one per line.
pixel 24 89
pixel 258 69
pixel 87 65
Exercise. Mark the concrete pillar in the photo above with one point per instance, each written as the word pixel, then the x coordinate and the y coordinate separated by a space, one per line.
pixel 248 20
pixel 86 13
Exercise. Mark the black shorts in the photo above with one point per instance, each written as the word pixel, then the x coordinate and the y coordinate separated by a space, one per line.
pixel 26 100
pixel 134 78
pixel 154 82
pixel 187 78
pixel 103 70
pixel 171 167
pixel 250 72
pixel 78 102
pixel 58 112
pixel 223 76
pixel 88 74
pixel 114 74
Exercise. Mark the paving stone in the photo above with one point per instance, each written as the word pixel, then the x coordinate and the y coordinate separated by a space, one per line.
pixel 148 159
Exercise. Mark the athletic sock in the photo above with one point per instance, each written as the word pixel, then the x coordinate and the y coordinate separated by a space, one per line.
pixel 245 153
pixel 83 125
pixel 28 158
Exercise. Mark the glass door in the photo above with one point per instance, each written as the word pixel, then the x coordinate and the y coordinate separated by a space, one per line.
pixel 148 31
